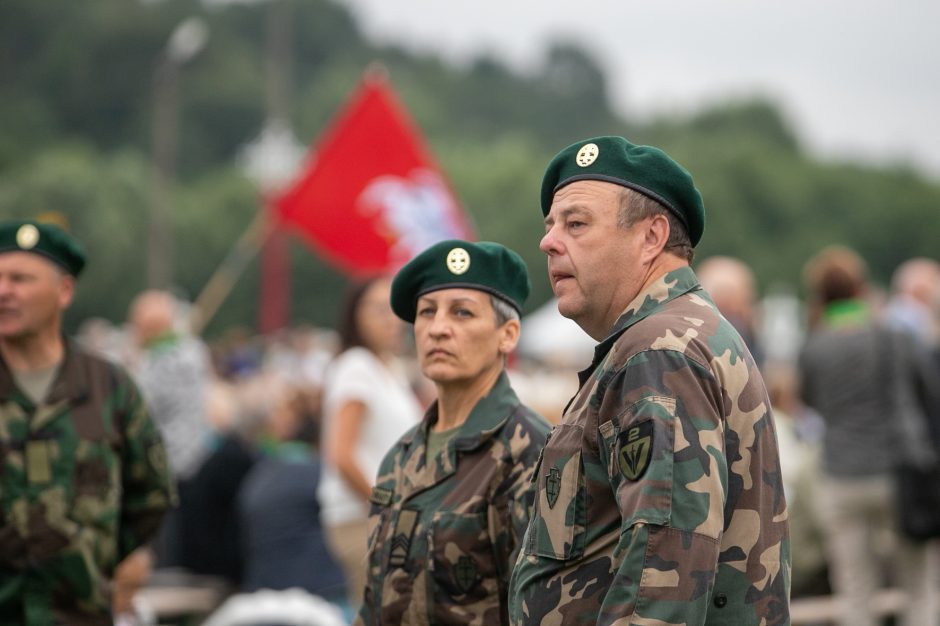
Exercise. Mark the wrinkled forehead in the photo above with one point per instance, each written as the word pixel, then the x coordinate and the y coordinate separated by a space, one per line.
pixel 587 195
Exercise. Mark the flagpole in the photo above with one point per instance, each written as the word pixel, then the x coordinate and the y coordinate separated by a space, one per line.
pixel 230 270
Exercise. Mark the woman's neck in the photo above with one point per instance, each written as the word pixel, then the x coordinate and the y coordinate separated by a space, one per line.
pixel 386 356
pixel 456 400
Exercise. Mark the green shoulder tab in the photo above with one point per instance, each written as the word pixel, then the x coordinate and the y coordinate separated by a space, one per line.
pixel 380 496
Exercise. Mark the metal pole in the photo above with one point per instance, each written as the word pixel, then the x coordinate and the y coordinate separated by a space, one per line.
pixel 185 42
pixel 227 274
pixel 163 138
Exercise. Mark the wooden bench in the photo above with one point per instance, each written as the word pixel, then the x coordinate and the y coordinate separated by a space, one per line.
pixel 172 594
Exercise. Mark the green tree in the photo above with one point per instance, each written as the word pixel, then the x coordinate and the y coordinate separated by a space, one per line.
pixel 75 125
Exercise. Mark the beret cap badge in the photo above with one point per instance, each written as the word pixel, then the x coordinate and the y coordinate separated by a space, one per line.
pixel 643 169
pixel 458 261
pixel 27 236
pixel 587 154
pixel 458 264
pixel 45 239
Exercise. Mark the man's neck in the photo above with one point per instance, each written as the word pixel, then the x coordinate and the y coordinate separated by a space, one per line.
pixel 33 352
pixel 662 265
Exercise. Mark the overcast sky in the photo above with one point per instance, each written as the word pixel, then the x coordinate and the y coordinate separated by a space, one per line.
pixel 857 78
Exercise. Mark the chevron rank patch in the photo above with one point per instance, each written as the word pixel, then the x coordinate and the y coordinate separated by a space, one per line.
pixel 401 540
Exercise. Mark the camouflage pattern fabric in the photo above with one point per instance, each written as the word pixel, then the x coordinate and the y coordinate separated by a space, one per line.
pixel 443 537
pixel 659 497
pixel 83 482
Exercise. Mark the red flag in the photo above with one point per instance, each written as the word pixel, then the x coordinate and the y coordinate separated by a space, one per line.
pixel 373 197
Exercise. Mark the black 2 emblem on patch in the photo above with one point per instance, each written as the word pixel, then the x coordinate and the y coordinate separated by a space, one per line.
pixel 636 448
pixel 552 486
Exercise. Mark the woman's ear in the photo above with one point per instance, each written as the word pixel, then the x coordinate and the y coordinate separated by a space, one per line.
pixel 509 336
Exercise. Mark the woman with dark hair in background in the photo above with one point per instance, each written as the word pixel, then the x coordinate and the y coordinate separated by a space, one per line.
pixel 367 405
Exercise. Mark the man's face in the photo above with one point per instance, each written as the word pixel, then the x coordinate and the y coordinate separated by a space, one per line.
pixel 33 294
pixel 593 264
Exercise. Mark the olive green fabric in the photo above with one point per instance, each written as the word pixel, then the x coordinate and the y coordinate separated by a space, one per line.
pixel 645 169
pixel 445 534
pixel 37 383
pixel 437 440
pixel 47 240
pixel 83 483
pixel 484 265
pixel 658 498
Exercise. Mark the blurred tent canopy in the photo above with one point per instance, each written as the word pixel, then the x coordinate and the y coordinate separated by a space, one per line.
pixel 554 340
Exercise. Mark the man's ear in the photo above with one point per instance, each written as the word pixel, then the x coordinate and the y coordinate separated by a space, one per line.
pixel 66 291
pixel 655 236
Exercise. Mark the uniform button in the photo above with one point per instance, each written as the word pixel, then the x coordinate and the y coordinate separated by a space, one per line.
pixel 721 600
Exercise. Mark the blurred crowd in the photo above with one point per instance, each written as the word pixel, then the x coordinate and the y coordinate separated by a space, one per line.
pixel 274 440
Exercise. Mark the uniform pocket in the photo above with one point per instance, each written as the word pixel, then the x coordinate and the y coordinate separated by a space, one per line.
pixel 641 462
pixel 464 576
pixel 382 520
pixel 96 488
pixel 557 528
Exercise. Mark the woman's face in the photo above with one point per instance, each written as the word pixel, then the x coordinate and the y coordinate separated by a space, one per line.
pixel 457 337
pixel 380 328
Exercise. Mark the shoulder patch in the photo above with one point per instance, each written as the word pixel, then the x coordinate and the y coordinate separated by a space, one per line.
pixel 380 496
pixel 635 447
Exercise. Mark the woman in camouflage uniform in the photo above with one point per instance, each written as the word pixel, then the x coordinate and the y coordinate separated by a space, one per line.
pixel 453 495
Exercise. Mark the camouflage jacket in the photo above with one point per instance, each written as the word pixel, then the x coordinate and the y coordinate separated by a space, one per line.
pixel 659 497
pixel 443 537
pixel 83 482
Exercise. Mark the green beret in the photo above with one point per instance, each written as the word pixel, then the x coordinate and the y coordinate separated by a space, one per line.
pixel 484 266
pixel 645 169
pixel 44 239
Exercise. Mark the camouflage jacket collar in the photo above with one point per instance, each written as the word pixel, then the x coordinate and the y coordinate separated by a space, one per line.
pixel 668 287
pixel 488 416
pixel 71 383
pixel 485 420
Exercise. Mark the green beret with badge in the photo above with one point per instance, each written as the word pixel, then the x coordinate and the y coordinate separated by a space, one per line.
pixel 47 240
pixel 455 264
pixel 644 169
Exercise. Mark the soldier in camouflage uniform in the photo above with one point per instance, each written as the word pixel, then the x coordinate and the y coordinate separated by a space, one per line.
pixel 83 474
pixel 454 494
pixel 659 497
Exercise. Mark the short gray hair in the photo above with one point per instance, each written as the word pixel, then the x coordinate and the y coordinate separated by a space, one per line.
pixel 635 206
pixel 503 310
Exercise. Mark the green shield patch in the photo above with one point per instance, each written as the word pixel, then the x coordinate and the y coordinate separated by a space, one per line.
pixel 465 573
pixel 636 447
pixel 552 486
